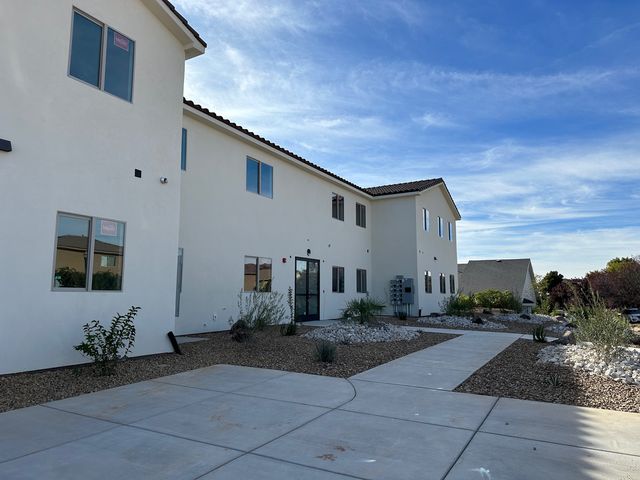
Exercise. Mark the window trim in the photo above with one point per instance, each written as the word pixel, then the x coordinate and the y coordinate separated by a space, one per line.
pixel 257 289
pixel 359 290
pixel 260 163
pixel 103 54
pixel 426 220
pixel 361 215
pixel 450 230
pixel 90 254
pixel 338 197
pixel 443 283
pixel 440 227
pixel 428 286
pixel 336 268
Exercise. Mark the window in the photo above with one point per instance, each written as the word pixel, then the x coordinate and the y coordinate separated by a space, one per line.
pixel 361 280
pixel 361 215
pixel 88 248
pixel 440 227
pixel 337 279
pixel 101 57
pixel 257 274
pixel 259 178
pixel 428 284
pixel 452 284
pixel 183 152
pixel 450 232
pixel 443 283
pixel 425 219
pixel 337 206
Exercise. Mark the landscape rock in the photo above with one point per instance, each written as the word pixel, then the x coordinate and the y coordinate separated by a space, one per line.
pixel 348 333
pixel 524 316
pixel 567 338
pixel 465 322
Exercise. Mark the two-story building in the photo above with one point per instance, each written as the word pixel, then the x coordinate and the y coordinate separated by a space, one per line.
pixel 114 191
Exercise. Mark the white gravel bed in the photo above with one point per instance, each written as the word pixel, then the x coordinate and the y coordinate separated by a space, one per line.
pixel 347 333
pixel 535 319
pixel 453 321
pixel 625 368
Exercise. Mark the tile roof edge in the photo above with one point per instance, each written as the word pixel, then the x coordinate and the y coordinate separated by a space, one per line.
pixel 184 21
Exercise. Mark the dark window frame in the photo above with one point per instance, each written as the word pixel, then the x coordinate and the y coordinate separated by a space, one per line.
pixel 428 282
pixel 183 151
pixel 361 215
pixel 443 283
pixel 452 283
pixel 337 279
pixel 257 262
pixel 425 220
pixel 361 280
pixel 337 206
pixel 259 188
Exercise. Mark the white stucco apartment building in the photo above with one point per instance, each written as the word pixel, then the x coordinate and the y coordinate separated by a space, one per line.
pixel 114 191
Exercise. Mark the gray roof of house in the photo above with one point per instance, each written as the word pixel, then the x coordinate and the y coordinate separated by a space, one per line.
pixel 508 274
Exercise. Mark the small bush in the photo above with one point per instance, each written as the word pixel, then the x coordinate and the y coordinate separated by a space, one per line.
pixel 288 329
pixel 553 379
pixel 402 315
pixel 601 326
pixel 106 347
pixel 240 331
pixel 362 310
pixel 261 309
pixel 325 351
pixel 457 304
pixel 539 334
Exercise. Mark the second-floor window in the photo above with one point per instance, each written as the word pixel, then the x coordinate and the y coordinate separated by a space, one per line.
pixel 425 219
pixel 443 283
pixel 440 227
pixel 361 215
pixel 101 56
pixel 259 178
pixel 452 284
pixel 337 206
pixel 450 231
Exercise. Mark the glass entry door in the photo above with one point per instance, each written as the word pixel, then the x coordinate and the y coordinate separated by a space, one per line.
pixel 307 289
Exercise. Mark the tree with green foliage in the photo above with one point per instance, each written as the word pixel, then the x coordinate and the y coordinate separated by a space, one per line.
pixel 619 263
pixel 549 282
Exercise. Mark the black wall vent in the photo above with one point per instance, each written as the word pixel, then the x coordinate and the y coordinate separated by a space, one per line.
pixel 5 145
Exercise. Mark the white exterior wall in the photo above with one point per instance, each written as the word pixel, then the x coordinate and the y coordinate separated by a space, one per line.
pixel 402 247
pixel 394 243
pixel 74 150
pixel 528 291
pixel 221 223
pixel 438 255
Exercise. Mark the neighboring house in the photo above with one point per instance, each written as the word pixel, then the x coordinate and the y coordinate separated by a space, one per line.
pixel 118 192
pixel 514 275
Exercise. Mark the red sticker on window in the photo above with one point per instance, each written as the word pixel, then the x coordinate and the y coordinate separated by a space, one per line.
pixel 121 41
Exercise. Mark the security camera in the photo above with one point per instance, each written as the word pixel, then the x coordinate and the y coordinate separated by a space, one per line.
pixel 164 180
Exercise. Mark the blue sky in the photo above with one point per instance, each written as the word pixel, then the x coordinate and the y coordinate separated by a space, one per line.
pixel 530 111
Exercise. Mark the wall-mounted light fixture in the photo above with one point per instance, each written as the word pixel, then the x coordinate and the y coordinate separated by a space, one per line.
pixel 5 145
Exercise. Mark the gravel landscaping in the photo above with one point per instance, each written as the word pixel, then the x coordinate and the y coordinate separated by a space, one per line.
pixel 449 321
pixel 625 367
pixel 267 349
pixel 348 333
pixel 517 373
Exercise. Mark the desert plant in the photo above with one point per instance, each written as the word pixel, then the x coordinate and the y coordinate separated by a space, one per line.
pixel 553 379
pixel 106 347
pixel 325 351
pixel 240 331
pixel 261 309
pixel 457 304
pixel 604 328
pixel 362 310
pixel 539 334
pixel 290 328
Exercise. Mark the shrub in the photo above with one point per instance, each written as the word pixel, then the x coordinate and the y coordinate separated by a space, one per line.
pixel 362 310
pixel 106 347
pixel 505 300
pixel 603 327
pixel 457 304
pixel 402 315
pixel 325 351
pixel 261 309
pixel 290 328
pixel 240 331
pixel 539 334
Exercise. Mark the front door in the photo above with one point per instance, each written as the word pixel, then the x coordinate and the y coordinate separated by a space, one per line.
pixel 307 289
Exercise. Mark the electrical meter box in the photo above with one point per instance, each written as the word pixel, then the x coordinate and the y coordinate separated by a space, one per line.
pixel 408 291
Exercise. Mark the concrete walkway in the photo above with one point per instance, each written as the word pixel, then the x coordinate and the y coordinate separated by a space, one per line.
pixel 396 421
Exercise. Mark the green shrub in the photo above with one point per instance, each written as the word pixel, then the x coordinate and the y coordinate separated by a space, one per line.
pixel 261 309
pixel 539 334
pixel 325 351
pixel 505 300
pixel 457 304
pixel 603 327
pixel 362 310
pixel 106 347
